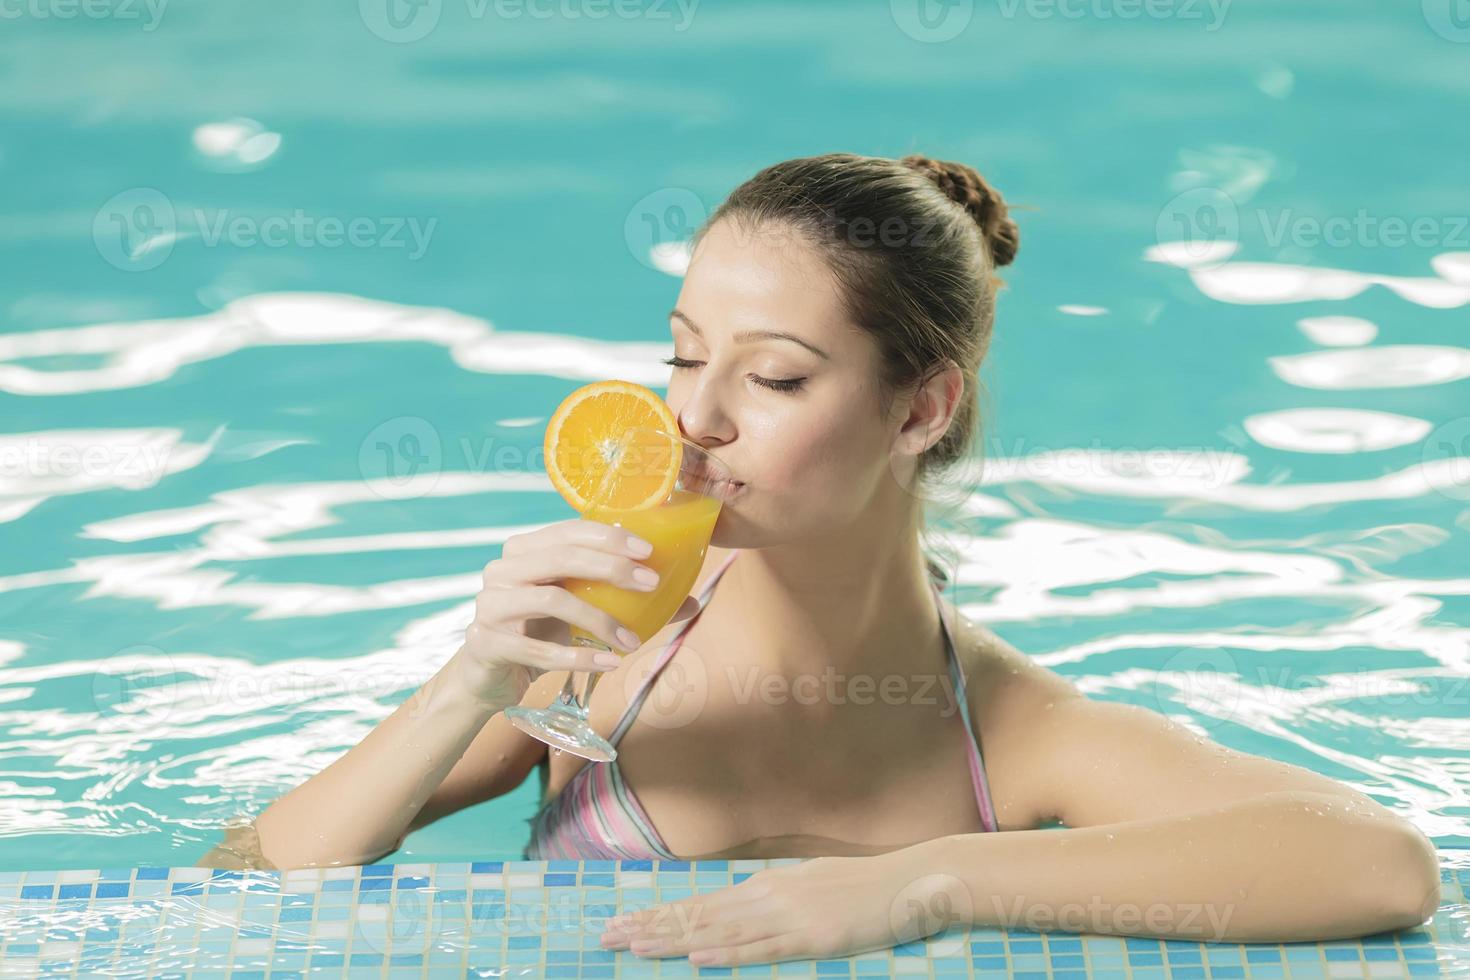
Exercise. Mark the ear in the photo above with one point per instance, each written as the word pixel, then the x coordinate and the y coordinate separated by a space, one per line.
pixel 930 409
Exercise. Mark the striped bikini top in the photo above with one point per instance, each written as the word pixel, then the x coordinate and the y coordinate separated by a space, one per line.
pixel 596 816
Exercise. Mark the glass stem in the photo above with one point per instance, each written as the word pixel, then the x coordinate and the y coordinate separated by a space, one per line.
pixel 568 696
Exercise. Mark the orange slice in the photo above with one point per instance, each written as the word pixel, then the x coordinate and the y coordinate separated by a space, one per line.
pixel 594 436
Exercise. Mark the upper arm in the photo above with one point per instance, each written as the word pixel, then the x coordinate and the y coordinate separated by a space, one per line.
pixel 496 762
pixel 1051 752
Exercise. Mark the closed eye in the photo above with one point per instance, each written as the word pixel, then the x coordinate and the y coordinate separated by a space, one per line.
pixel 787 385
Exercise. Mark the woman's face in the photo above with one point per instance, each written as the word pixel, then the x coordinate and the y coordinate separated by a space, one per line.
pixel 812 452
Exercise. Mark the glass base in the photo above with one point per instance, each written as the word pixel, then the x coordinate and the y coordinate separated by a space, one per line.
pixel 560 728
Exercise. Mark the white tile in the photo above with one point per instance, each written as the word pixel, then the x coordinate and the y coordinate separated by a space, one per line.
pixel 910 964
pixel 487 880
pixel 1345 968
pixel 1387 968
pixel 334 930
pixel 53 949
pixel 300 882
pixel 249 947
pixel 312 873
pixel 76 877
pixel 333 874
pixel 523 881
pixel 190 874
pixel 635 879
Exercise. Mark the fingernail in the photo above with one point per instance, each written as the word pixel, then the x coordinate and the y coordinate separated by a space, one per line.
pixel 639 548
pixel 629 638
pixel 645 576
pixel 607 660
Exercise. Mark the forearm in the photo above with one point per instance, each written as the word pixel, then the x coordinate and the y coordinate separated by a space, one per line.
pixel 361 806
pixel 1278 868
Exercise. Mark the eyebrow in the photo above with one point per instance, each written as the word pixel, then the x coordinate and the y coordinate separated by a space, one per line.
pixel 746 335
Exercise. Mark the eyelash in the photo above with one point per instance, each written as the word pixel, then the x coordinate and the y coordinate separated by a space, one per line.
pixel 787 385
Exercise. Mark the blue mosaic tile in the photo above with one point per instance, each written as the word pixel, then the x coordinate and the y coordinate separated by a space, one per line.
pixel 545 919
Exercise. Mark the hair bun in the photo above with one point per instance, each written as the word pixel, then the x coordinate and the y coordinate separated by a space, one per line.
pixel 964 185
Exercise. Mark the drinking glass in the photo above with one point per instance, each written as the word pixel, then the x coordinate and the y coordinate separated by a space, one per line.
pixel 679 528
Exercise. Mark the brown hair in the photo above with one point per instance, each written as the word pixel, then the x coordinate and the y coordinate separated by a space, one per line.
pixel 914 244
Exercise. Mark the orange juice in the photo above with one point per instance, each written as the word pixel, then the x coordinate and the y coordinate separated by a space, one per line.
pixel 679 531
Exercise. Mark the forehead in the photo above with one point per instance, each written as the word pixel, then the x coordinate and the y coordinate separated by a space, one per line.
pixel 761 277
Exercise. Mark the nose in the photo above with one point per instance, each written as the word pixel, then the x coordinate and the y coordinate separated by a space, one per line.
pixel 702 418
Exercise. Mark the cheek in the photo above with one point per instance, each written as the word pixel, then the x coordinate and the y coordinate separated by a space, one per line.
pixel 809 448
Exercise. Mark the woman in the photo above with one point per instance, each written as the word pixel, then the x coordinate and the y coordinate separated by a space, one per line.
pixel 828 337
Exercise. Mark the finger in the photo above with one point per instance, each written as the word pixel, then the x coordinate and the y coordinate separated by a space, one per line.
pixel 554 565
pixel 593 534
pixel 769 950
pixel 731 928
pixel 495 608
pixel 539 654
pixel 678 920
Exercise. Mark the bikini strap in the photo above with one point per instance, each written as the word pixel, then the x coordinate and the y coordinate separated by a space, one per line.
pixel 645 685
pixel 957 679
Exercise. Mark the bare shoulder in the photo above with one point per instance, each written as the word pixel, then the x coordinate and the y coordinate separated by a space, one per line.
pixel 1000 678
pixel 1010 695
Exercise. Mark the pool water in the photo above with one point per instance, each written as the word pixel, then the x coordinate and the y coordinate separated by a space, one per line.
pixel 288 298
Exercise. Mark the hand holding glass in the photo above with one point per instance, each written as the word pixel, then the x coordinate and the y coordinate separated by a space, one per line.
pixel 679 528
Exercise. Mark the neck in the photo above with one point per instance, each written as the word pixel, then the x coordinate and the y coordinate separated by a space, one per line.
pixel 850 601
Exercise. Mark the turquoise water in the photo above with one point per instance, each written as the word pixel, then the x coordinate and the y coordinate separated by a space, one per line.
pixel 288 297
